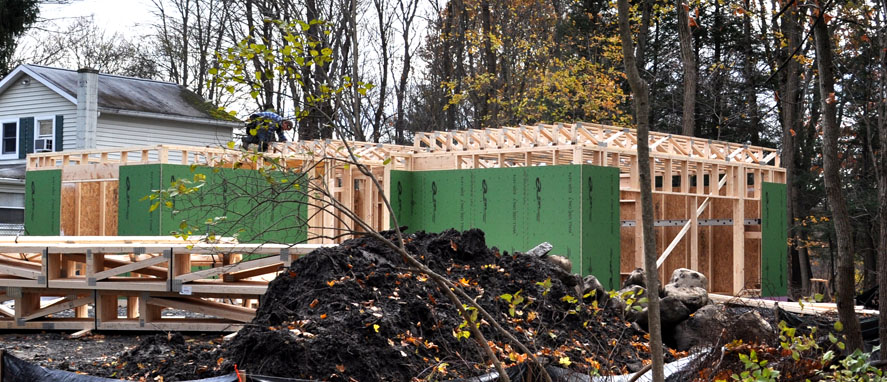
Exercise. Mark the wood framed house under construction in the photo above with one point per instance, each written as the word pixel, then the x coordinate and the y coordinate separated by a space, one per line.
pixel 719 207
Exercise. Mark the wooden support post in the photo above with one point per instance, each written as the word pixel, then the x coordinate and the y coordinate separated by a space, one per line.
pixel 739 236
pixel 53 266
pixel 348 194
pixel 148 313
pixel 105 307
pixel 667 176
pixel 685 178
pixel 386 189
pixel 95 263
pixel 26 304
pixel 694 235
pixel 132 307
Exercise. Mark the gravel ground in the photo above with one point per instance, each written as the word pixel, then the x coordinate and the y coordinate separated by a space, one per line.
pixel 58 351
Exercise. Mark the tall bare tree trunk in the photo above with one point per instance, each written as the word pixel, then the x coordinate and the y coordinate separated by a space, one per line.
pixel 641 93
pixel 449 64
pixel 407 14
pixel 789 100
pixel 356 126
pixel 882 180
pixel 831 167
pixel 748 72
pixel 688 60
pixel 488 114
pixel 384 34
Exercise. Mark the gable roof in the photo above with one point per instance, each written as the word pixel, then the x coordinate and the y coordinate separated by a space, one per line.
pixel 128 95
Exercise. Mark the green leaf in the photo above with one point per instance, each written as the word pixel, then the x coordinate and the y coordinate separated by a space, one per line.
pixel 386 161
pixel 230 144
pixel 506 297
pixel 839 326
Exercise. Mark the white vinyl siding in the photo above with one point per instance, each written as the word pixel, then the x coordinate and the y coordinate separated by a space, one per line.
pixel 115 131
pixel 36 100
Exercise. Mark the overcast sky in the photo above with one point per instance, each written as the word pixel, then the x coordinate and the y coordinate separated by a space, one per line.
pixel 128 17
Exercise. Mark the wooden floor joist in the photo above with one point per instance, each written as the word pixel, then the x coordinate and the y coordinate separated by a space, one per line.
pixel 789 306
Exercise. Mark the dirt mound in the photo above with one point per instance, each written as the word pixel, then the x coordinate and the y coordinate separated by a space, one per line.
pixel 173 356
pixel 357 312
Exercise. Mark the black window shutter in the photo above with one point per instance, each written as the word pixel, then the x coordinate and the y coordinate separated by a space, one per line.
pixel 59 129
pixel 26 137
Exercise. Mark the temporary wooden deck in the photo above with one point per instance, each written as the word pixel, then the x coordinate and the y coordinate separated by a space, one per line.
pixel 215 283
pixel 707 194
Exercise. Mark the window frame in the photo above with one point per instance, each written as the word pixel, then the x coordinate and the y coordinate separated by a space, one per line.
pixel 4 206
pixel 37 131
pixel 18 144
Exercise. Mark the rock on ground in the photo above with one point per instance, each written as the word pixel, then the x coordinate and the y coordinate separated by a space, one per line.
pixel 703 328
pixel 636 277
pixel 686 278
pixel 692 297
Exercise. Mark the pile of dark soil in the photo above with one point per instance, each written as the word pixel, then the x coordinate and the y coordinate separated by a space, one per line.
pixel 357 312
pixel 173 357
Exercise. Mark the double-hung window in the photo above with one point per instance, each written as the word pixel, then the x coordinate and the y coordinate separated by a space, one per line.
pixel 44 134
pixel 9 140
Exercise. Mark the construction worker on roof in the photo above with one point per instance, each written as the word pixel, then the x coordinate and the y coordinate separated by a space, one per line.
pixel 262 128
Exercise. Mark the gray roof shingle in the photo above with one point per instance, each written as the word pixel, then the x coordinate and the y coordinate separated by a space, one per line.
pixel 137 94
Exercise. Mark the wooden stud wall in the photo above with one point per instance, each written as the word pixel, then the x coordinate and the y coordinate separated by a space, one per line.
pixel 699 180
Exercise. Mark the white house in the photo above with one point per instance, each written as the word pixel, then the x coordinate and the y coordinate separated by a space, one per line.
pixel 52 109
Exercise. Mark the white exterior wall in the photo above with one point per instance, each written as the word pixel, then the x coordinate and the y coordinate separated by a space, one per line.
pixel 116 131
pixel 36 100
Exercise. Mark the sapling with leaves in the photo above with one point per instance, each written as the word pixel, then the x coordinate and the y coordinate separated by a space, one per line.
pixel 280 178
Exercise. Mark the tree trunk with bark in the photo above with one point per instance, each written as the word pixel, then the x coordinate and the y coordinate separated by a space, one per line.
pixel 641 93
pixel 831 175
pixel 789 99
pixel 882 178
pixel 688 61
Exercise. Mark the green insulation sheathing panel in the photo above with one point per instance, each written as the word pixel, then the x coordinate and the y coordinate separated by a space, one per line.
pixel 230 202
pixel 133 215
pixel 43 202
pixel 601 244
pixel 774 240
pixel 574 207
